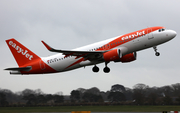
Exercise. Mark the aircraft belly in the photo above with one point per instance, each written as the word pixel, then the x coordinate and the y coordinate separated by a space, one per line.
pixel 65 64
pixel 62 64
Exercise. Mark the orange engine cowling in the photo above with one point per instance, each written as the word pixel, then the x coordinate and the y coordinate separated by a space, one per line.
pixel 112 55
pixel 128 58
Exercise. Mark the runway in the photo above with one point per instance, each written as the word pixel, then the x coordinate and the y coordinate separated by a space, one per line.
pixel 101 112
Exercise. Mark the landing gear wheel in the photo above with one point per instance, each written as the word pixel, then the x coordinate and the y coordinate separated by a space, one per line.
pixel 157 53
pixel 155 49
pixel 106 69
pixel 95 69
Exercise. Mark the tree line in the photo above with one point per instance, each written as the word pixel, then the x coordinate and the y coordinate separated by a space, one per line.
pixel 140 94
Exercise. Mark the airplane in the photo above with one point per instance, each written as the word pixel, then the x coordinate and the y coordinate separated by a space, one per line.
pixel 122 48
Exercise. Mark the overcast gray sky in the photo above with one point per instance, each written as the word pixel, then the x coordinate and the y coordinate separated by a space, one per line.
pixel 70 24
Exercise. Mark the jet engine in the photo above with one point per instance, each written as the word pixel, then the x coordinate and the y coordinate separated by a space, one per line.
pixel 128 58
pixel 112 55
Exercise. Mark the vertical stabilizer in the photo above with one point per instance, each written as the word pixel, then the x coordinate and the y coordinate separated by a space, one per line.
pixel 21 54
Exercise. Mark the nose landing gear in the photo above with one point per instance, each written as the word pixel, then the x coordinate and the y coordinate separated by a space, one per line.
pixel 155 49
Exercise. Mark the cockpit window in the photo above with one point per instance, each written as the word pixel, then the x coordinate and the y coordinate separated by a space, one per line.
pixel 160 30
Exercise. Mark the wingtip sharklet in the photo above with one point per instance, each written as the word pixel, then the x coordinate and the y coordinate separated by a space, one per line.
pixel 47 46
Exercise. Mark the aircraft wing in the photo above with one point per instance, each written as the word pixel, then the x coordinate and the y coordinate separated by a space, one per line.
pixel 89 55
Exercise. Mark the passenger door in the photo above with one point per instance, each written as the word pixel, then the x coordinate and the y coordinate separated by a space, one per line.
pixel 150 34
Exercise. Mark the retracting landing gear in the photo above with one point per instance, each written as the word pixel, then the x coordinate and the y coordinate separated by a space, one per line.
pixel 155 49
pixel 106 69
pixel 95 69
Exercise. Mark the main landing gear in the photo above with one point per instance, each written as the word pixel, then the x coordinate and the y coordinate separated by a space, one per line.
pixel 155 49
pixel 106 69
pixel 95 69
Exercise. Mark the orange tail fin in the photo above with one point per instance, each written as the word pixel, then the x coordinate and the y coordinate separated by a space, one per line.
pixel 21 54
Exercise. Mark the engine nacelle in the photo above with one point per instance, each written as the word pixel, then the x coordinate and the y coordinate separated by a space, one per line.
pixel 112 55
pixel 128 58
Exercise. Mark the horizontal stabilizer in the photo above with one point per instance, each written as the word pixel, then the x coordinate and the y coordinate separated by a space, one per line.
pixel 19 68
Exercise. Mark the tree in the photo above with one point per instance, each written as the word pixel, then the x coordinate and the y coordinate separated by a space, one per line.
pixel 10 96
pixel 90 97
pixel 128 94
pixel 139 91
pixel 152 97
pixel 178 99
pixel 58 98
pixel 3 101
pixel 167 90
pixel 49 99
pixel 176 89
pixel 116 97
pixel 104 95
pixel 140 86
pixel 118 88
pixel 167 100
pixel 93 90
pixel 27 92
pixel 75 96
pixel 38 92
pixel 31 99
pixel 41 99
pixel 81 90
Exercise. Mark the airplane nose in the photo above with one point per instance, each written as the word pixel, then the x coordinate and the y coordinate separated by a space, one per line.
pixel 170 34
pixel 173 34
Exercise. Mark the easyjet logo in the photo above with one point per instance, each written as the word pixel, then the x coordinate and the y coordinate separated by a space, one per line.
pixel 133 35
pixel 20 50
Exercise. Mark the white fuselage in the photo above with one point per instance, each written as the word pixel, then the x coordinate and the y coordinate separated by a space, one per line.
pixel 61 63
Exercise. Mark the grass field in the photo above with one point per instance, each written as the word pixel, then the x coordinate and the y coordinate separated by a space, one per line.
pixel 90 108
